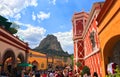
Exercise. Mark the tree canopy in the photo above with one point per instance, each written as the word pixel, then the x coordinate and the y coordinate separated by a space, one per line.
pixel 9 26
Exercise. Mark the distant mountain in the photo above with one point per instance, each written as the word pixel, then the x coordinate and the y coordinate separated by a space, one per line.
pixel 51 46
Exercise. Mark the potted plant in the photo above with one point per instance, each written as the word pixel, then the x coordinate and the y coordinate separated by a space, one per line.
pixel 78 64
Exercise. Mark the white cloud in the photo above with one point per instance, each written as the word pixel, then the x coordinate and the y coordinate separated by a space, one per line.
pixel 31 34
pixel 33 16
pixel 34 34
pixel 66 41
pixel 52 1
pixel 12 7
pixel 17 16
pixel 42 15
pixel 34 2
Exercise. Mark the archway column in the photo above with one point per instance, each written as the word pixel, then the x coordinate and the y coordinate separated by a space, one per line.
pixel 14 64
pixel 0 58
pixel 26 57
pixel 103 65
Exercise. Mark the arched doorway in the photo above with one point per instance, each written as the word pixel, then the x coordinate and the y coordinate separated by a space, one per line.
pixel 8 61
pixel 111 51
pixel 35 65
pixel 116 53
pixel 20 58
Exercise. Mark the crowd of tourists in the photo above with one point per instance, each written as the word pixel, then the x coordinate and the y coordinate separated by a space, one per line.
pixel 24 72
pixel 56 73
pixel 41 73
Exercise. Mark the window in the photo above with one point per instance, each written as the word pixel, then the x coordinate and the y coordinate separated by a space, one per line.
pixel 42 65
pixel 92 38
pixel 30 54
pixel 79 27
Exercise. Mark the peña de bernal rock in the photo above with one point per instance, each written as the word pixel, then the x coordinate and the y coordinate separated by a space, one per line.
pixel 51 46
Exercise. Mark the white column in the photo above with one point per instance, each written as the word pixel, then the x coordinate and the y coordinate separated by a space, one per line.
pixel 76 54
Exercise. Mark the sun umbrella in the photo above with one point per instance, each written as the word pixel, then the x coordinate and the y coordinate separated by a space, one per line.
pixel 24 64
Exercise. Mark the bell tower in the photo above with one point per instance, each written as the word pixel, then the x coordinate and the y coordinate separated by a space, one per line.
pixel 79 21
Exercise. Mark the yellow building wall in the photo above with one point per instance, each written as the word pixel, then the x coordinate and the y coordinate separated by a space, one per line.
pixel 38 59
pixel 50 60
pixel 112 23
pixel 40 62
pixel 42 59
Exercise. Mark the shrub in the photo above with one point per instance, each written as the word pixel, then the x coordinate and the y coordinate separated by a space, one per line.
pixel 86 70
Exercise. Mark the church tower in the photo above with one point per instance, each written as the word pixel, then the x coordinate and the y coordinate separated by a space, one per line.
pixel 79 22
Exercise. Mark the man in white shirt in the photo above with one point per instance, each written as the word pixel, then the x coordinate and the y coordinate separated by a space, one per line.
pixel 111 68
pixel 51 74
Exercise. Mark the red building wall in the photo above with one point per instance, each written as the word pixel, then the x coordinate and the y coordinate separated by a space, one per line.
pixel 92 56
pixel 86 42
pixel 79 20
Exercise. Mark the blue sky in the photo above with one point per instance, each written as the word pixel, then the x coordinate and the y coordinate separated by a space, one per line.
pixel 37 18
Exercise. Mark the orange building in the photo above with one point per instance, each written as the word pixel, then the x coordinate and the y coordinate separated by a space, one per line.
pixel 38 60
pixel 42 61
pixel 12 50
pixel 100 37
pixel 109 33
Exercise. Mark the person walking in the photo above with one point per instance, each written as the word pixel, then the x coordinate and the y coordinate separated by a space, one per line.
pixel 95 74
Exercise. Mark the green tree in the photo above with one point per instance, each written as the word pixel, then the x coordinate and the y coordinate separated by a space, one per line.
pixel 4 23
pixel 9 26
pixel 78 64
pixel 86 70
pixel 72 57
